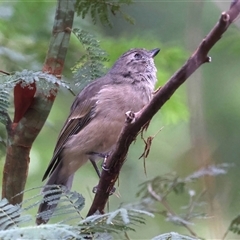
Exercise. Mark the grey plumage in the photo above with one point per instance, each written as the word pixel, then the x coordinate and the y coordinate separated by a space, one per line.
pixel 97 116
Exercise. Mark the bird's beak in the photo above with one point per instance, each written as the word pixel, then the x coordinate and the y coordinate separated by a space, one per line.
pixel 154 52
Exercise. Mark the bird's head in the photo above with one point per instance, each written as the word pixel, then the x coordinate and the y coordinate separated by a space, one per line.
pixel 136 64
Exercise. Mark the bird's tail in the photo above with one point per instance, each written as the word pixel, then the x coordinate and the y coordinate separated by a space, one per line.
pixel 51 194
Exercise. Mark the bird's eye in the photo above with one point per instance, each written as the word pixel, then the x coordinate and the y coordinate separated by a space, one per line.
pixel 138 56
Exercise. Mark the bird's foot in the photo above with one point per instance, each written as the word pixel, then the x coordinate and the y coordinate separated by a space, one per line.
pixel 95 189
pixel 130 117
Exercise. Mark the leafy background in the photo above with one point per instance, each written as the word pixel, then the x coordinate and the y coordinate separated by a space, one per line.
pixel 209 101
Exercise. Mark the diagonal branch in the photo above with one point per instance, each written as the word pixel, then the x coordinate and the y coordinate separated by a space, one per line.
pixel 21 135
pixel 130 131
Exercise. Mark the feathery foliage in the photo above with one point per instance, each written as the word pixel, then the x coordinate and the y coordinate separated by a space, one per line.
pixel 168 183
pixel 70 203
pixel 173 236
pixel 159 189
pixel 90 65
pixel 96 226
pixel 4 104
pixel 71 225
pixel 10 215
pixel 49 231
pixel 99 10
pixel 46 83
pixel 114 222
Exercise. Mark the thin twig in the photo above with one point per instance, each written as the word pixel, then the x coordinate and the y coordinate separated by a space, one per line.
pixel 6 73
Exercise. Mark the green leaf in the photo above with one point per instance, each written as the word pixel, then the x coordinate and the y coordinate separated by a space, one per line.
pixel 90 65
pixel 235 225
pixel 100 9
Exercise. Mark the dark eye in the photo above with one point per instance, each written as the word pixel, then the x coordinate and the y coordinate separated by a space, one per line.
pixel 138 56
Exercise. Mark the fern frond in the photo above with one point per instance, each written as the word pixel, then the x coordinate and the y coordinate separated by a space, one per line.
pixel 114 222
pixel 70 203
pixel 4 104
pixel 49 231
pixel 163 185
pixel 128 215
pixel 211 170
pixel 100 9
pixel 90 65
pixel 10 215
pixel 173 236
pixel 10 219
pixel 156 192
pixel 47 83
pixel 170 182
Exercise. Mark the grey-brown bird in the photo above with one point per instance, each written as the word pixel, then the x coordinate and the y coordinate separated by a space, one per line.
pixel 97 117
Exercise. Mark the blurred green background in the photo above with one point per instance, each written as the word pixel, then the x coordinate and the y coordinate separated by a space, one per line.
pixel 200 122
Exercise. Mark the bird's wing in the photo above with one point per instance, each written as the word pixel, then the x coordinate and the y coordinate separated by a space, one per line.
pixel 78 119
pixel 82 112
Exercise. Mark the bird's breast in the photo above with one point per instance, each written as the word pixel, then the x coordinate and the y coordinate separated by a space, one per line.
pixel 112 102
pixel 118 99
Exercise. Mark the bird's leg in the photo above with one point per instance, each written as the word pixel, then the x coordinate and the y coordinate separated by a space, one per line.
pixel 92 160
pixel 95 167
pixel 106 169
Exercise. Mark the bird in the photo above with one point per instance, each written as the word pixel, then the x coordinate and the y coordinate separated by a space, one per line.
pixel 97 117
